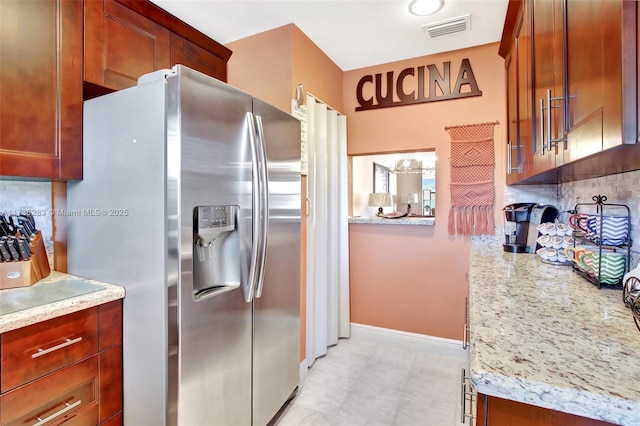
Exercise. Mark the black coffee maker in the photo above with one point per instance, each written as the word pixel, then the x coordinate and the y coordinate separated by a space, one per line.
pixel 520 226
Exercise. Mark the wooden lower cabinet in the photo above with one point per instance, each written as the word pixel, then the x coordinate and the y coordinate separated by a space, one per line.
pixel 493 411
pixel 75 377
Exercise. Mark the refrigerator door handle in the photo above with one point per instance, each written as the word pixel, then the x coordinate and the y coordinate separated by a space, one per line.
pixel 251 283
pixel 264 204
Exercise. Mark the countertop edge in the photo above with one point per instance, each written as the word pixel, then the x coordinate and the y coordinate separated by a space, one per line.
pixel 581 403
pixel 412 221
pixel 59 308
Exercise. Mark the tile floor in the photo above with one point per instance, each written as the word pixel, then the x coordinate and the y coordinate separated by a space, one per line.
pixel 360 382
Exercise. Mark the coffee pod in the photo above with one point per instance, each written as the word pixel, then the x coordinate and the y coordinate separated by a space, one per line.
pixel 540 252
pixel 561 229
pixel 544 240
pixel 567 241
pixel 550 228
pixel 541 229
pixel 556 242
pixel 562 256
pixel 551 255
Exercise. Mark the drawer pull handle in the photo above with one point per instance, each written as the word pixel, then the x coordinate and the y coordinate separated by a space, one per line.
pixel 67 407
pixel 66 343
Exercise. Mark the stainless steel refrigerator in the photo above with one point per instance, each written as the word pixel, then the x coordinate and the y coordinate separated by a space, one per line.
pixel 191 201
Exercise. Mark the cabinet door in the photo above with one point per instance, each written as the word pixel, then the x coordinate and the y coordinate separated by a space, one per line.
pixel 494 411
pixel 514 151
pixel 41 96
pixel 193 56
pixel 525 86
pixel 585 67
pixel 548 83
pixel 121 45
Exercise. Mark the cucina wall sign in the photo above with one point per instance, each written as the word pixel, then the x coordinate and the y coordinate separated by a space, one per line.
pixel 416 85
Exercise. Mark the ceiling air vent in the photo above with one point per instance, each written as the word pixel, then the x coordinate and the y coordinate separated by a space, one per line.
pixel 447 26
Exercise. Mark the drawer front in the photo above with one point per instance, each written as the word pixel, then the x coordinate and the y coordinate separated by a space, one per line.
pixel 31 352
pixel 66 395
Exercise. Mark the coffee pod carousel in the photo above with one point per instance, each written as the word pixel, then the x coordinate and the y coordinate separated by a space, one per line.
pixel 553 240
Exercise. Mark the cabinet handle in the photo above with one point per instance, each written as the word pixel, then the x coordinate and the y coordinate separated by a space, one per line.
pixel 553 142
pixel 465 329
pixel 464 393
pixel 67 407
pixel 68 342
pixel 549 142
pixel 510 168
pixel 542 108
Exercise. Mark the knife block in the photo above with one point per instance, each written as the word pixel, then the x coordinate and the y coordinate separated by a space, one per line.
pixel 26 272
pixel 17 274
pixel 39 258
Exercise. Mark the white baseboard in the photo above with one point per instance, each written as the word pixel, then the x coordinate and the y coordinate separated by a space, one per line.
pixel 414 341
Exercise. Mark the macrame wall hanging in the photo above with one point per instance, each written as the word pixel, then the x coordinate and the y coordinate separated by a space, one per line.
pixel 472 185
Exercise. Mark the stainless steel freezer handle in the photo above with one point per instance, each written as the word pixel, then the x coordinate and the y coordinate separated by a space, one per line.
pixel 255 212
pixel 264 204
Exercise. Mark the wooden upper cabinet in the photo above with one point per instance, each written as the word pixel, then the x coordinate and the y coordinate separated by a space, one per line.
pixel 548 83
pixel 125 39
pixel 525 86
pixel 193 56
pixel 514 151
pixel 41 95
pixel 579 58
pixel 601 75
pixel 121 45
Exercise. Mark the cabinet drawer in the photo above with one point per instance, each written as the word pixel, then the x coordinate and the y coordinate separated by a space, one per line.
pixel 70 393
pixel 30 352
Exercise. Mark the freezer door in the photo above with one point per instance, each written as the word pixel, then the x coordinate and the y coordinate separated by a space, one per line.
pixel 276 312
pixel 209 164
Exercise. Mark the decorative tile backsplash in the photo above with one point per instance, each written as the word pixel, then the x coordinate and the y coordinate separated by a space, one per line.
pixel 29 195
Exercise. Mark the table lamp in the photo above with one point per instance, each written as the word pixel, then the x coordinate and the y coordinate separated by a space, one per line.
pixel 408 199
pixel 379 200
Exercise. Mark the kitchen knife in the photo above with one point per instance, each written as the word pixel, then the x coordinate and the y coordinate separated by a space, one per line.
pixel 23 245
pixel 13 250
pixel 25 230
pixel 32 221
pixel 29 216
pixel 5 226
pixel 4 253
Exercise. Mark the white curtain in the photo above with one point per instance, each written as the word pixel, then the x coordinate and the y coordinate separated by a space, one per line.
pixel 327 229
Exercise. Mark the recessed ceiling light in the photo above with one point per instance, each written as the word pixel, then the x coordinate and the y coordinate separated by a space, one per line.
pixel 425 7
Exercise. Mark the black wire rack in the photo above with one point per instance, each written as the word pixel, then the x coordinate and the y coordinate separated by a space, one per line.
pixel 597 242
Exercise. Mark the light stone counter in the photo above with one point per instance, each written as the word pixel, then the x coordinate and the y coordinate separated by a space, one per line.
pixel 411 220
pixel 542 335
pixel 56 295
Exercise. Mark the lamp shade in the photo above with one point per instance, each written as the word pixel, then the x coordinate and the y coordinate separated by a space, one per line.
pixel 380 199
pixel 410 198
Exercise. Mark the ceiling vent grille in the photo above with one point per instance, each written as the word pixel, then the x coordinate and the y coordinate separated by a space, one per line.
pixel 448 26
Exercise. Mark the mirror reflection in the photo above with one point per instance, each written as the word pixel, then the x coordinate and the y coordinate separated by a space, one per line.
pixel 395 183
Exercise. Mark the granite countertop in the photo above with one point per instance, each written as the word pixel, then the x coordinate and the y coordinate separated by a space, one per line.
pixel 409 220
pixel 542 335
pixel 56 295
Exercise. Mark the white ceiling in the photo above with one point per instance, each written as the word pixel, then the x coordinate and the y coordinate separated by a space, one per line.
pixel 353 33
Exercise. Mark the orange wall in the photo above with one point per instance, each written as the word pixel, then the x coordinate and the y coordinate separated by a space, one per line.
pixel 413 278
pixel 270 66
